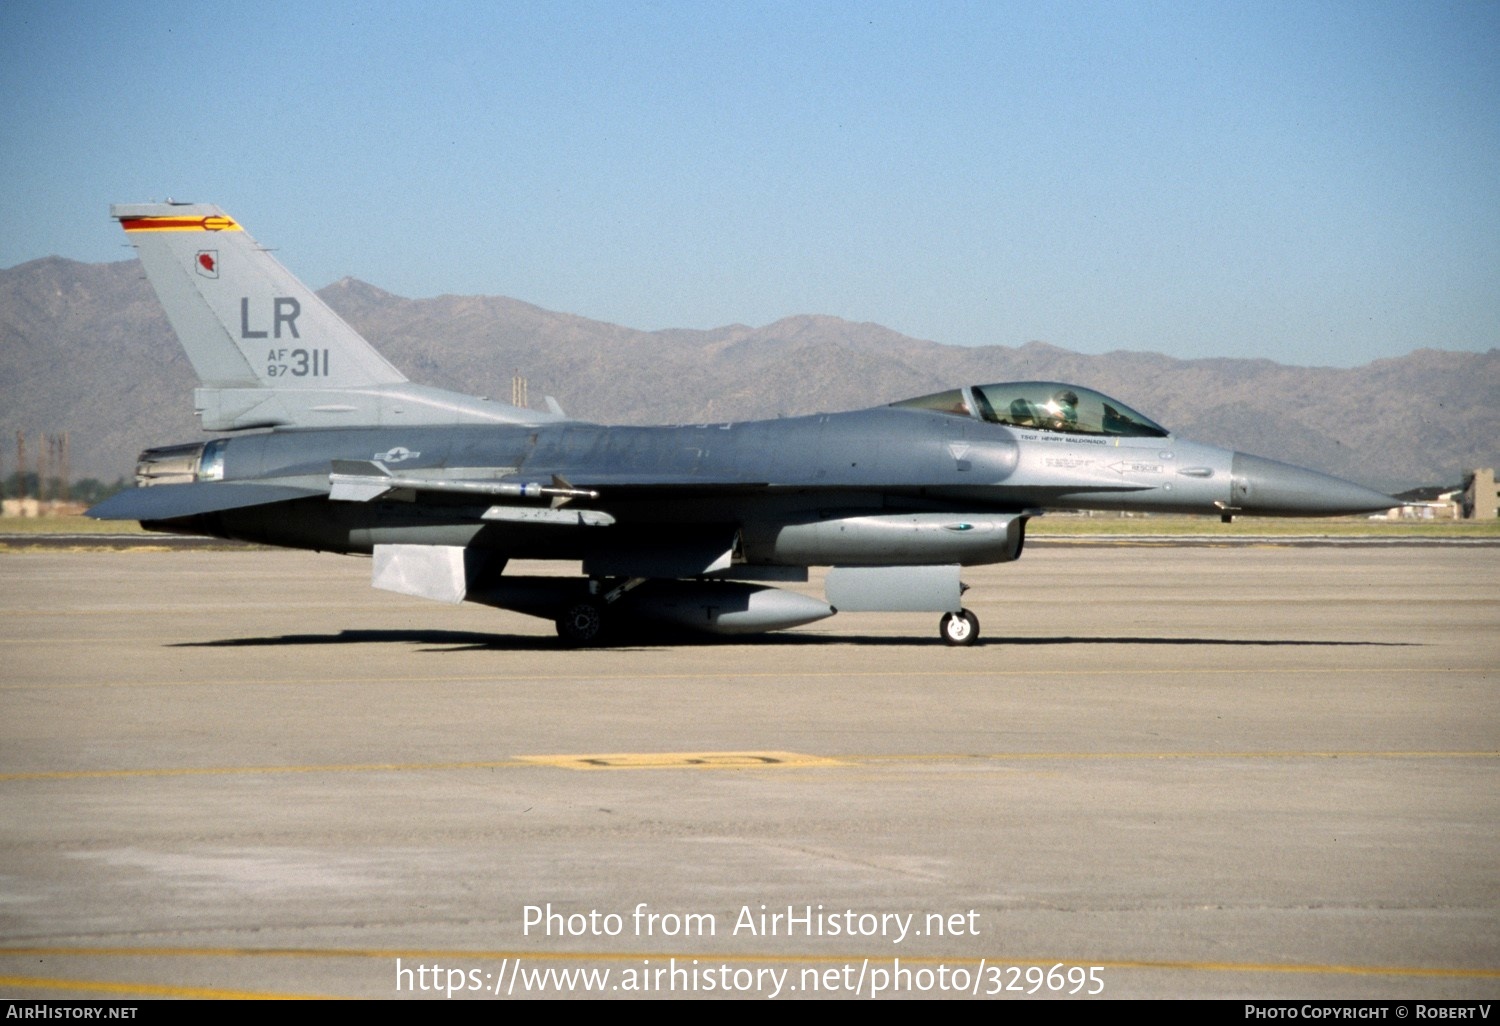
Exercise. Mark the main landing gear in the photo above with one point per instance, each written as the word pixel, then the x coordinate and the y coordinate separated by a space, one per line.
pixel 582 623
pixel 960 628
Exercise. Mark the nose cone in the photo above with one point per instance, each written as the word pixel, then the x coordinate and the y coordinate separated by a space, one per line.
pixel 1263 487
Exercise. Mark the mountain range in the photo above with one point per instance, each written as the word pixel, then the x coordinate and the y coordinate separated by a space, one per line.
pixel 85 349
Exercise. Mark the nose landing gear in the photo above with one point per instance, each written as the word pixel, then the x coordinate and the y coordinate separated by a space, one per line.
pixel 960 628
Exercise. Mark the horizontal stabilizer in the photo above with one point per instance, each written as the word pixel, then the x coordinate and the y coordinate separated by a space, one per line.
pixel 168 502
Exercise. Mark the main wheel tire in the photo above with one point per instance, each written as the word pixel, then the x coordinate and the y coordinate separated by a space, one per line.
pixel 960 628
pixel 582 623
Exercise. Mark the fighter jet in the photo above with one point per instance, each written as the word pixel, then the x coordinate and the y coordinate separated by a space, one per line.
pixel 329 447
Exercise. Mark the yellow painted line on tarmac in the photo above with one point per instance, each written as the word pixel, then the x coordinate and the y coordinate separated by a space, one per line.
pixel 35 983
pixel 719 760
pixel 997 962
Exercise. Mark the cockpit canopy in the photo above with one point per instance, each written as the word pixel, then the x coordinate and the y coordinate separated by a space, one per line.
pixel 1043 406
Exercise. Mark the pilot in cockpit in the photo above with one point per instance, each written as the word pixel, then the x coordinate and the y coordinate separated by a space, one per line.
pixel 1062 411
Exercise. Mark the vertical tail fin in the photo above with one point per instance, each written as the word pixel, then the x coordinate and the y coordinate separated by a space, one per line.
pixel 267 350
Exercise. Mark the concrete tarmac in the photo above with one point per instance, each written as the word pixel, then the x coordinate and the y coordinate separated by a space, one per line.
pixel 1250 772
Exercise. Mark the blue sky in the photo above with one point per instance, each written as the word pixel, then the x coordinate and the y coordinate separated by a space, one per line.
pixel 1313 182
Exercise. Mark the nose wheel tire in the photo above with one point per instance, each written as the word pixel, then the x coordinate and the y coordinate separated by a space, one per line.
pixel 581 624
pixel 960 628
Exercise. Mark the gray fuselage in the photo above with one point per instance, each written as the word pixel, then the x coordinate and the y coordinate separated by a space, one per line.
pixel 760 478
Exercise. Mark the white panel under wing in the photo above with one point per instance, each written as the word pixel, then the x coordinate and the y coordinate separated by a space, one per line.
pixel 426 571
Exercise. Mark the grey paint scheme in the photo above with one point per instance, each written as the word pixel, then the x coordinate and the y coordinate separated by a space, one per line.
pixel 891 486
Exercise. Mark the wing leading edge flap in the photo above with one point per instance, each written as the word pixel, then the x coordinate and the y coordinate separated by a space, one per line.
pixel 171 501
